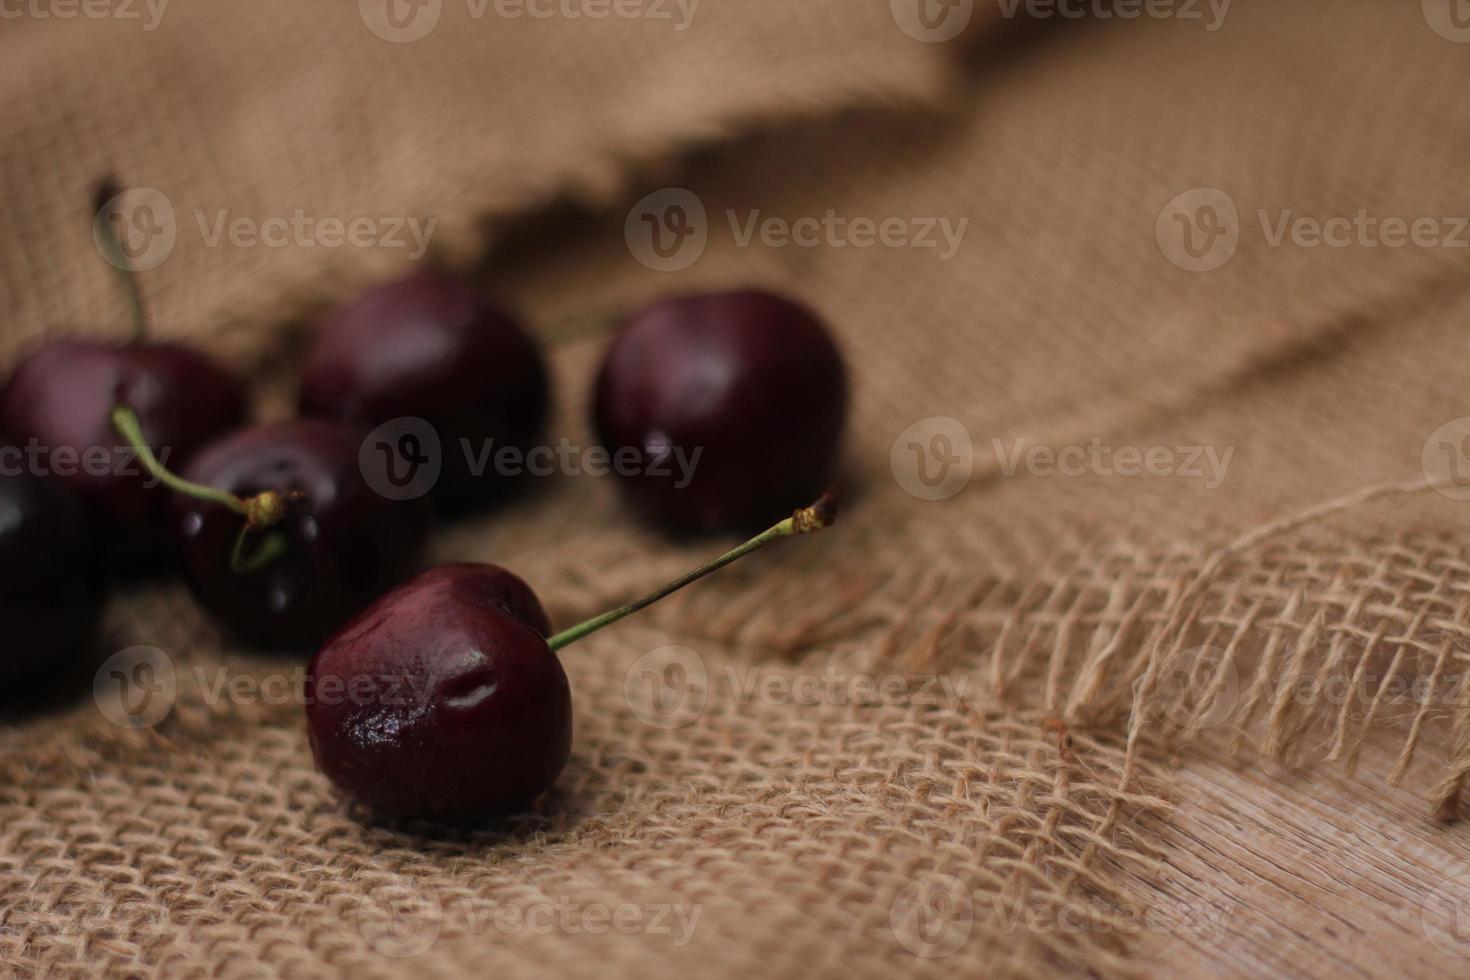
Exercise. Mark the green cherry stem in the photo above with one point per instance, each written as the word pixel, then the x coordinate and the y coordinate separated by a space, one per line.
pixel 814 518
pixel 117 257
pixel 261 512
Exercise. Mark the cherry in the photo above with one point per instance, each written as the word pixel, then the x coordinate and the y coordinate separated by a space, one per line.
pixel 747 389
pixel 60 397
pixel 427 347
pixel 280 537
pixel 50 578
pixel 58 403
pixel 445 699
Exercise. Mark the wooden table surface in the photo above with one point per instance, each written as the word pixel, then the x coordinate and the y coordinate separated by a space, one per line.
pixel 1314 874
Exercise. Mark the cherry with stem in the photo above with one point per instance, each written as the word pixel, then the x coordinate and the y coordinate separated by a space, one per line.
pixel 488 726
pixel 261 512
pixel 60 395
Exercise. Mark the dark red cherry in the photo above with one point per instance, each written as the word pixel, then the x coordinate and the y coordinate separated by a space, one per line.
pixel 446 699
pixel 50 578
pixel 734 404
pixel 56 408
pixel 428 347
pixel 443 699
pixel 340 544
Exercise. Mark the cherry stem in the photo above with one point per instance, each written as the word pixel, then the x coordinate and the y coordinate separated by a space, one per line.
pixel 117 258
pixel 125 420
pixel 814 518
pixel 261 511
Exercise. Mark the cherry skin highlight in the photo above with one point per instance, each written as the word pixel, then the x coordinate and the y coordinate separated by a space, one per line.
pixel 50 581
pixel 443 699
pixel 61 395
pixel 341 545
pixel 750 381
pixel 427 347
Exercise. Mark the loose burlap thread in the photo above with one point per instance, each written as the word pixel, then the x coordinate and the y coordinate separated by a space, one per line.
pixel 808 836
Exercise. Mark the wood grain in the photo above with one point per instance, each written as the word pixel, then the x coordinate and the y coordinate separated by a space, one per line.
pixel 1317 874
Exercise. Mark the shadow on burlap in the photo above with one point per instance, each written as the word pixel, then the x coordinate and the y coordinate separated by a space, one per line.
pixel 1081 624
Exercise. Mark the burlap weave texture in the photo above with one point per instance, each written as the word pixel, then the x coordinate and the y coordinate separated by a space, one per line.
pixel 209 847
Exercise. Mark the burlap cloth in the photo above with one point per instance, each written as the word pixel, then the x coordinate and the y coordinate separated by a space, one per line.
pixel 1096 621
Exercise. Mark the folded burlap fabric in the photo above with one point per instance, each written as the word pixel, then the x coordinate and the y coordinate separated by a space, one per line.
pixel 424 118
pixel 1146 299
